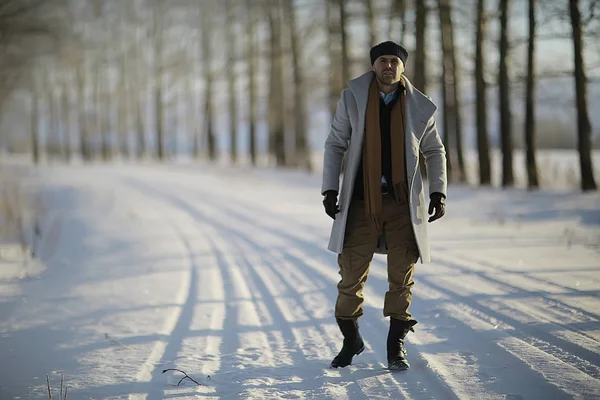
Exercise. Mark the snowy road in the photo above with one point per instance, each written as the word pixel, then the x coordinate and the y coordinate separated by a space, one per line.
pixel 224 273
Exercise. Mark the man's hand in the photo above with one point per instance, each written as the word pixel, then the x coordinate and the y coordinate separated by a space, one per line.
pixel 330 203
pixel 436 204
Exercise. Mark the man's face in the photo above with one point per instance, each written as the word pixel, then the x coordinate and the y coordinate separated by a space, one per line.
pixel 388 69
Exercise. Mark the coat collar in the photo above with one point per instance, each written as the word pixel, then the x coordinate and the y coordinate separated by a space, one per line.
pixel 420 104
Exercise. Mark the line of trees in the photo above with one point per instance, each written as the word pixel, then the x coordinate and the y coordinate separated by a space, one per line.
pixel 153 78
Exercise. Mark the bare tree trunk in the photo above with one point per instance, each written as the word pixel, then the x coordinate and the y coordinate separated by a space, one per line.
pixel 584 127
pixel 420 64
pixel 450 107
pixel 101 116
pixel 96 96
pixel 371 21
pixel 82 108
pixel 207 55
pixel 159 109
pixel 2 136
pixel 334 59
pixel 138 102
pixel 158 79
pixel 402 6
pixel 447 123
pixel 124 98
pixel 505 112
pixel 338 55
pixel 208 123
pixel 420 70
pixel 344 38
pixel 173 122
pixel 345 61
pixel 191 116
pixel 276 122
pixel 231 80
pixel 58 126
pixel 456 90
pixel 398 13
pixel 35 120
pixel 300 115
pixel 121 100
pixel 81 82
pixel 139 125
pixel 53 133
pixel 99 113
pixel 252 70
pixel 66 125
pixel 483 147
pixel 532 176
pixel 272 113
pixel 122 113
pixel 107 98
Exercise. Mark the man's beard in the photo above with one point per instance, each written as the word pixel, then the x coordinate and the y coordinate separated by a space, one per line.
pixel 387 79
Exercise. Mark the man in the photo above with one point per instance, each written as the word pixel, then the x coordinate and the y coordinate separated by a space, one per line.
pixel 382 122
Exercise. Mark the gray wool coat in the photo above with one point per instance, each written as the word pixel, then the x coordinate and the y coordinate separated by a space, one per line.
pixel 346 134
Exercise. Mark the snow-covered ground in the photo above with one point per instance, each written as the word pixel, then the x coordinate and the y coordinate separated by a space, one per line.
pixel 223 273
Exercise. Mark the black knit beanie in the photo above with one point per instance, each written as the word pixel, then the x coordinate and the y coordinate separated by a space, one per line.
pixel 388 49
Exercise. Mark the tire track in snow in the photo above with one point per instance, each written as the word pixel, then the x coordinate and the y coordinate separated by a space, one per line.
pixel 588 360
pixel 369 385
pixel 465 267
pixel 567 352
pixel 429 383
pixel 463 262
pixel 218 190
pixel 175 326
pixel 295 239
pixel 209 216
pixel 563 375
pixel 298 358
pixel 265 223
pixel 229 376
pixel 268 225
pixel 459 374
pixel 217 239
pixel 432 382
pixel 319 331
pixel 499 369
pixel 181 327
pixel 236 293
pixel 434 379
pixel 384 379
pixel 220 231
pixel 234 290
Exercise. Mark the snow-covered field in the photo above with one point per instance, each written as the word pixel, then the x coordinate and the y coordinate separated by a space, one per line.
pixel 223 273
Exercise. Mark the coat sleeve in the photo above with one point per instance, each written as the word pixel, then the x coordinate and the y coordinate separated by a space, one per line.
pixel 435 159
pixel 336 145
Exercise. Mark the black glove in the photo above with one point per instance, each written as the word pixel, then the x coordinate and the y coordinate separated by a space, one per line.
pixel 330 203
pixel 436 203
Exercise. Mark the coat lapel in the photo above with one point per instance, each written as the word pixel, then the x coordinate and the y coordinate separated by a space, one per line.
pixel 360 89
pixel 420 109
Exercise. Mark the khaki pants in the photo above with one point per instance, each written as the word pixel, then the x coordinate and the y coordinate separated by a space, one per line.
pixel 360 242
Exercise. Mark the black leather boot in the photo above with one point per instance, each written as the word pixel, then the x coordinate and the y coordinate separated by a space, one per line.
pixel 353 343
pixel 396 353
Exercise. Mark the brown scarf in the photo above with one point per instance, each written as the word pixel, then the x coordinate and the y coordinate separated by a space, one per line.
pixel 372 154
